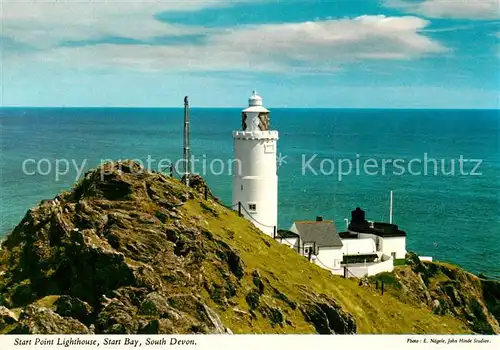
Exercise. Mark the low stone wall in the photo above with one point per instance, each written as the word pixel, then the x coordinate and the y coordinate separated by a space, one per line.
pixel 371 269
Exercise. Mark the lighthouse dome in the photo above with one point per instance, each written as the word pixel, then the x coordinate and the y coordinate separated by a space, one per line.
pixel 255 104
pixel 255 99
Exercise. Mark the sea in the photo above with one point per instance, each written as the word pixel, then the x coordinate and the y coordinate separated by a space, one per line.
pixel 443 166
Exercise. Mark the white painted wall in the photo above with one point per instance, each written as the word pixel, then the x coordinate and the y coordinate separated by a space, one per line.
pixel 255 179
pixel 358 246
pixel 375 239
pixel 371 270
pixel 329 258
pixel 388 245
pixel 396 245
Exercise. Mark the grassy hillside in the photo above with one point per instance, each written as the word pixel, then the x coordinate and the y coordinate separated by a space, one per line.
pixel 290 273
pixel 447 290
pixel 135 252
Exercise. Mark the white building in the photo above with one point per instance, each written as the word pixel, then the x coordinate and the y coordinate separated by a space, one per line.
pixel 344 253
pixel 367 248
pixel 361 257
pixel 255 179
pixel 388 238
pixel 316 239
pixel 354 247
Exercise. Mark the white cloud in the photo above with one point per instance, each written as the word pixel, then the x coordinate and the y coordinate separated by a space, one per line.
pixel 464 9
pixel 339 40
pixel 44 23
pixel 304 47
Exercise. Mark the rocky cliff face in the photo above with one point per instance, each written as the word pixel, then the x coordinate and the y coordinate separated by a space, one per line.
pixel 448 290
pixel 127 251
pixel 121 253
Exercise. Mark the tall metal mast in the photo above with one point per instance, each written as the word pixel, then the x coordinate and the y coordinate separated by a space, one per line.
pixel 187 155
pixel 390 208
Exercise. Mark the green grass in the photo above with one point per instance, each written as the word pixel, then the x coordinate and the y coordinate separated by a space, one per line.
pixel 388 278
pixel 374 313
pixel 400 262
pixel 283 269
pixel 47 302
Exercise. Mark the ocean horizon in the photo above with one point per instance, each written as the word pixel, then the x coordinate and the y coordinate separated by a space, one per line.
pixel 181 107
pixel 451 217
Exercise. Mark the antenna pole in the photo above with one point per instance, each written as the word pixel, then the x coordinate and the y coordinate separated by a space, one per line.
pixel 390 209
pixel 347 261
pixel 187 156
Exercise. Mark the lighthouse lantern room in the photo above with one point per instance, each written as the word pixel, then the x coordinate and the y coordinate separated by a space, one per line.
pixel 255 179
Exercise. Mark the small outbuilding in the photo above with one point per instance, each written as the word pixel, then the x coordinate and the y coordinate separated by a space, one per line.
pixel 317 240
pixel 388 238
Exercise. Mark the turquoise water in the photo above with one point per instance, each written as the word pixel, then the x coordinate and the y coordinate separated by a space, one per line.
pixel 454 218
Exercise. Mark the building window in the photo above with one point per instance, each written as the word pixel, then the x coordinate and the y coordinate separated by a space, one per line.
pixel 252 207
pixel 308 250
pixel 393 255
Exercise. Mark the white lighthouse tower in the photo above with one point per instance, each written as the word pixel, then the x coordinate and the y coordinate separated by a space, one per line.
pixel 255 178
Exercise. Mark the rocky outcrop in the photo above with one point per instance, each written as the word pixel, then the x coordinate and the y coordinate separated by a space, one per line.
pixel 127 251
pixel 327 316
pixel 68 306
pixel 156 304
pixel 197 183
pixel 7 317
pixel 449 290
pixel 121 254
pixel 39 320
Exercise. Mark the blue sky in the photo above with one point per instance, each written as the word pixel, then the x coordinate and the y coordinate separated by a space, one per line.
pixel 297 53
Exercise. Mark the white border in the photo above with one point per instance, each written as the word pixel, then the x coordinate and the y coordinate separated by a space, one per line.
pixel 261 342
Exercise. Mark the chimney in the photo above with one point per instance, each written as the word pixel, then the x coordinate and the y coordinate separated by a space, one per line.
pixel 358 215
pixel 319 218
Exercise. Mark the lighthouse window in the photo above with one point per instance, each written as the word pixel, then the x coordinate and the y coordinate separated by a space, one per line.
pixel 269 148
pixel 252 207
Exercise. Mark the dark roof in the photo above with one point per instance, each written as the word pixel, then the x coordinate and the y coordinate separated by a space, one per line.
pixel 381 229
pixel 323 233
pixel 373 255
pixel 347 234
pixel 356 259
pixel 286 234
